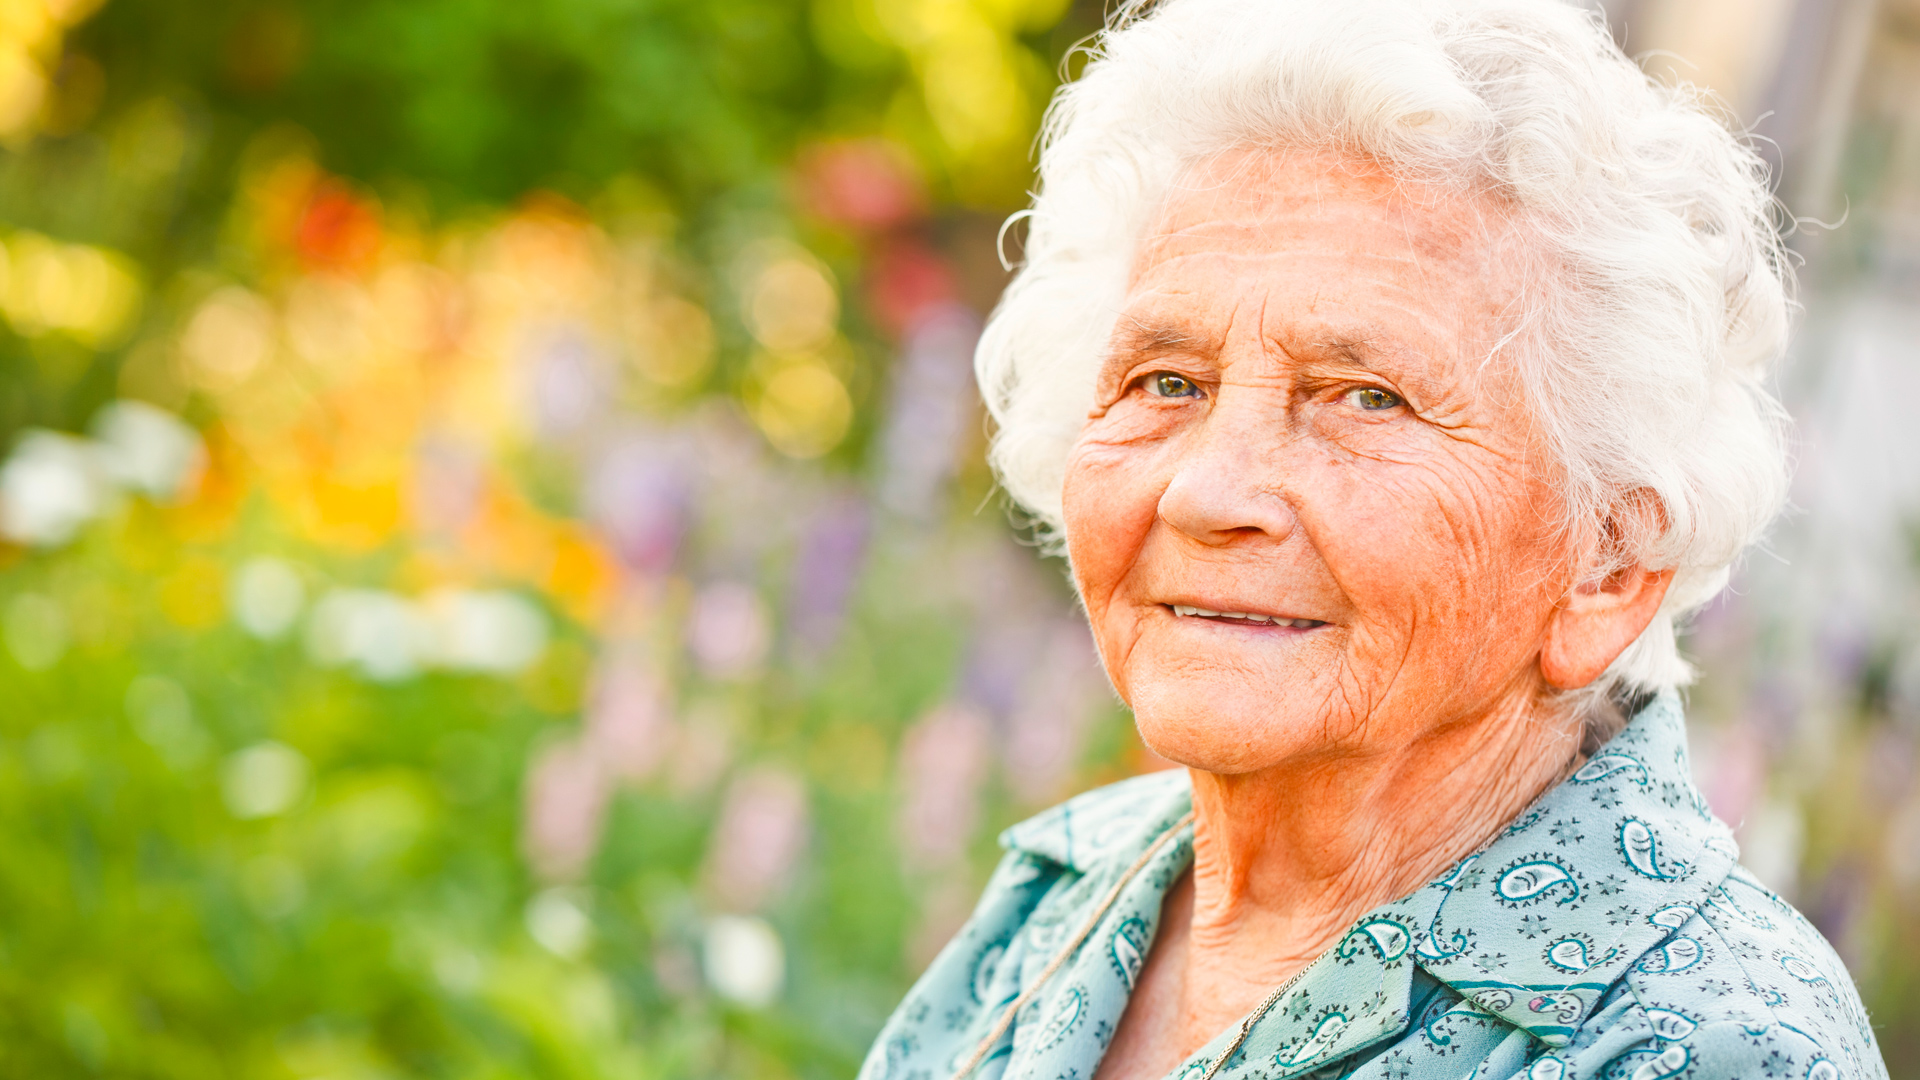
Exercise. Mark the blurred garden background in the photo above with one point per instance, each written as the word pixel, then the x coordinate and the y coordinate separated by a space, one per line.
pixel 499 578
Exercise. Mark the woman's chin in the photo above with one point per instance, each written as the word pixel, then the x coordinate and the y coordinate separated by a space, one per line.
pixel 1227 729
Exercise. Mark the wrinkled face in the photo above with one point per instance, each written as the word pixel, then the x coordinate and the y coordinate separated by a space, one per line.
pixel 1307 514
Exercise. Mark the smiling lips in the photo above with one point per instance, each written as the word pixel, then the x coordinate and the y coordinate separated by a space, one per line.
pixel 1188 611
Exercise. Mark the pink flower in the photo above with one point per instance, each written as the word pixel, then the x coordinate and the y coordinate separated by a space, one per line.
pixel 866 184
pixel 728 630
pixel 628 722
pixel 1063 691
pixel 762 830
pixel 942 764
pixel 566 808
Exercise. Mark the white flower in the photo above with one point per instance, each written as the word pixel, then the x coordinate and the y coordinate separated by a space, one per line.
pixel 265 595
pixel 745 962
pixel 49 487
pixel 148 449
pixel 557 920
pixel 491 630
pixel 265 779
pixel 386 636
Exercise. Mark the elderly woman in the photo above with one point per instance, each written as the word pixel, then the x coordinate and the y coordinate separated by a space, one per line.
pixel 1392 372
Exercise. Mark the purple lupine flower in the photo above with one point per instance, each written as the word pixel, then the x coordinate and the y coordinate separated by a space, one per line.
pixel 638 494
pixel 933 399
pixel 825 571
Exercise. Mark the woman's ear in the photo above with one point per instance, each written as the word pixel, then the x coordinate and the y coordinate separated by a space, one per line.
pixel 1598 619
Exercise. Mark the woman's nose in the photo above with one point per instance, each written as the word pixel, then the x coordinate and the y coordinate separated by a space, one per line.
pixel 1227 484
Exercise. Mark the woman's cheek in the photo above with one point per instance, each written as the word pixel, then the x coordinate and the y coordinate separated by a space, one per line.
pixel 1109 502
pixel 1376 529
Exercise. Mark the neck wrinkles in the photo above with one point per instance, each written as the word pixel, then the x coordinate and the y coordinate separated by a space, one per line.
pixel 1287 858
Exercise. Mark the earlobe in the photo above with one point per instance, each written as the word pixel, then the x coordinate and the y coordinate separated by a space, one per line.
pixel 1595 623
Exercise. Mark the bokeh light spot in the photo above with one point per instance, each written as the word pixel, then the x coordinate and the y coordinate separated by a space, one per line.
pixel 744 960
pixel 792 305
pixel 803 408
pixel 266 595
pixel 263 780
pixel 229 338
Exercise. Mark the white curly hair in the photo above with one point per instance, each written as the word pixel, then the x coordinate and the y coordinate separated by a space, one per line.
pixel 1647 346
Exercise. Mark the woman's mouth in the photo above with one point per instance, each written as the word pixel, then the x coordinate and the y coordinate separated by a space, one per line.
pixel 1188 611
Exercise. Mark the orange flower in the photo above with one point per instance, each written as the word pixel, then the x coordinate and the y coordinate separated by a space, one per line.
pixel 337 230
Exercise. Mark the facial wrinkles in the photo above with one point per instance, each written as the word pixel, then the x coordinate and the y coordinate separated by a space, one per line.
pixel 1474 457
pixel 1377 488
pixel 1474 530
pixel 1390 634
pixel 1389 655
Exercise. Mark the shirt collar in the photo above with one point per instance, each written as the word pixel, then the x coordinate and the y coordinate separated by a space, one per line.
pixel 1536 925
pixel 1598 872
pixel 1110 825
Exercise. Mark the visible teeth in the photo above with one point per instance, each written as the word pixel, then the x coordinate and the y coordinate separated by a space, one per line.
pixel 1190 610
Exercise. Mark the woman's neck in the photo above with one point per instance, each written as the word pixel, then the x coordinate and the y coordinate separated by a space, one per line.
pixel 1286 859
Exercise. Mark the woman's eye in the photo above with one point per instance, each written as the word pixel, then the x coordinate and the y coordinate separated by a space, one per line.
pixel 1167 384
pixel 1373 399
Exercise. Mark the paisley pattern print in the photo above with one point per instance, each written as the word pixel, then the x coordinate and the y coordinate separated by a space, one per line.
pixel 1641 851
pixel 1606 934
pixel 1533 879
pixel 1129 949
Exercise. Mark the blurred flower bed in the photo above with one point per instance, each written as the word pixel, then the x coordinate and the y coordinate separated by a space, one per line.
pixel 562 634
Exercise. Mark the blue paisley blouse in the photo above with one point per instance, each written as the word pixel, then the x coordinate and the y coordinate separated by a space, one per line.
pixel 1608 932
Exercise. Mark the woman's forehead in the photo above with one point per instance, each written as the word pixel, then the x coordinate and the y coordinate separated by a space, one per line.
pixel 1272 202
pixel 1324 248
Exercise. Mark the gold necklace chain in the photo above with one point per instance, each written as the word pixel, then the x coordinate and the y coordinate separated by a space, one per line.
pixel 1246 1026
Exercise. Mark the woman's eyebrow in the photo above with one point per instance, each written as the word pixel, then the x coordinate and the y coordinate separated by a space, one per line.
pixel 1133 336
pixel 1381 354
pixel 1356 349
pixel 1346 344
pixel 1387 357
